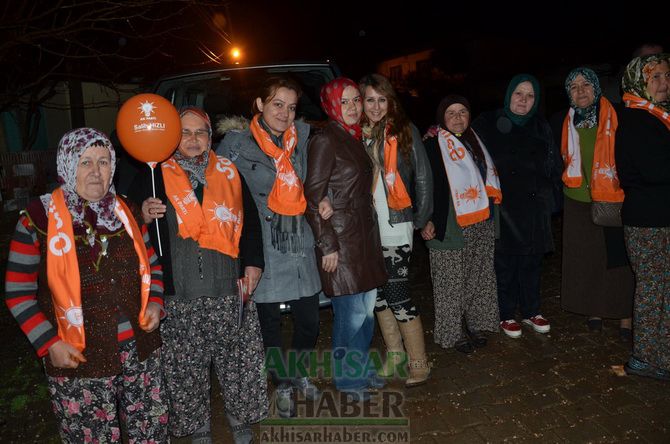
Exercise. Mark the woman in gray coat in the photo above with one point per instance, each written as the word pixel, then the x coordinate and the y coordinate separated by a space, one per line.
pixel 272 156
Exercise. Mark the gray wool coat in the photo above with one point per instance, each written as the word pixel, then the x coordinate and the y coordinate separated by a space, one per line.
pixel 286 277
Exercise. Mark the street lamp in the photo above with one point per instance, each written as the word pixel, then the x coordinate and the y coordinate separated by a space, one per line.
pixel 236 55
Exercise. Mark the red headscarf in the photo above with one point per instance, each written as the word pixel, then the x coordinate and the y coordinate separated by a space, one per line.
pixel 331 102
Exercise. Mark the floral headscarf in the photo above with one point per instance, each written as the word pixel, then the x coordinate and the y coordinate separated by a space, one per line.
pixel 520 78
pixel 637 74
pixel 331 96
pixel 70 149
pixel 195 166
pixel 585 117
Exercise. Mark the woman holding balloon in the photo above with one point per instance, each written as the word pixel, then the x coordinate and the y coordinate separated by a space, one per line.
pixel 208 229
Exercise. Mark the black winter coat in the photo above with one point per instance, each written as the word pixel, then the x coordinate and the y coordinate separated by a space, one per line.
pixel 529 166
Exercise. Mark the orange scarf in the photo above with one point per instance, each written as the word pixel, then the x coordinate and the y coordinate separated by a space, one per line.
pixel 217 224
pixel 633 101
pixel 604 180
pixel 63 268
pixel 398 198
pixel 287 196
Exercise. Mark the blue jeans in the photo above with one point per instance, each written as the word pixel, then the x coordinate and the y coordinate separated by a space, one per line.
pixel 353 325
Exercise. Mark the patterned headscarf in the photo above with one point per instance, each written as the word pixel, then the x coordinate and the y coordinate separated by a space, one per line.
pixel 520 78
pixel 637 74
pixel 70 149
pixel 585 117
pixel 195 166
pixel 331 102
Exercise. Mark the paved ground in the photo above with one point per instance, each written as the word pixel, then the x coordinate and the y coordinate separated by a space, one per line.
pixel 558 387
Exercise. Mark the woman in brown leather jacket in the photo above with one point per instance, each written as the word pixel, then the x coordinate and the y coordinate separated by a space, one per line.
pixel 348 245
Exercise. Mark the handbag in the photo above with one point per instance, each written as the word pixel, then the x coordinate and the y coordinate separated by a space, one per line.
pixel 606 214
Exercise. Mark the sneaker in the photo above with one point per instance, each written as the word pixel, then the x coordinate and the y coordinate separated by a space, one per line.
pixel 539 324
pixel 284 401
pixel 376 382
pixel 511 328
pixel 242 433
pixel 637 367
pixel 307 388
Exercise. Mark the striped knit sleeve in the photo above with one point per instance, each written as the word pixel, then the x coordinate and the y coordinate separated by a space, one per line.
pixel 156 292
pixel 21 288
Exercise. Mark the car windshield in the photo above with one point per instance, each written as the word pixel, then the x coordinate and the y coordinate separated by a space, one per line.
pixel 228 93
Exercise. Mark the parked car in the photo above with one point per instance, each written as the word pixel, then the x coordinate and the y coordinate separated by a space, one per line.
pixel 230 91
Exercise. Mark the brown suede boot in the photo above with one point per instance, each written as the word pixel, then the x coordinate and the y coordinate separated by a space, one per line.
pixel 395 353
pixel 419 368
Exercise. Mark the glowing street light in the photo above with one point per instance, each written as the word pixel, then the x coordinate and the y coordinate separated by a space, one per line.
pixel 236 54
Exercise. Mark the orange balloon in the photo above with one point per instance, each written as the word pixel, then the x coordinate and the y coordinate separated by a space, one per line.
pixel 148 127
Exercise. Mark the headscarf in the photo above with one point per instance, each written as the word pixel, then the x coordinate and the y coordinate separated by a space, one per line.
pixel 585 117
pixel 516 80
pixel 331 102
pixel 446 103
pixel 70 149
pixel 195 166
pixel 637 74
pixel 468 137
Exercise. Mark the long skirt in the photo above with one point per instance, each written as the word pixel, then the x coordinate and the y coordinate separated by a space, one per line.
pixel 199 334
pixel 464 286
pixel 590 286
pixel 89 409
pixel 649 251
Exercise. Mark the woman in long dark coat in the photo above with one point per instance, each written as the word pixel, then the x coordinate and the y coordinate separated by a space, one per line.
pixel 348 246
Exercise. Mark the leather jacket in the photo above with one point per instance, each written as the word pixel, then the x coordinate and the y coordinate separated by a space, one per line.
pixel 339 167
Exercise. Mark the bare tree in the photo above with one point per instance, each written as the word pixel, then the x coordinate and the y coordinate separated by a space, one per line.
pixel 43 42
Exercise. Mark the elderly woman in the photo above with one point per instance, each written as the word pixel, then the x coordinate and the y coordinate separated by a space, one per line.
pixel 597 280
pixel 348 245
pixel 272 156
pixel 643 163
pixel 522 147
pixel 209 230
pixel 461 233
pixel 95 311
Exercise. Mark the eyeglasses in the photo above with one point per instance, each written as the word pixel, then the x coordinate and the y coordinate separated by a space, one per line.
pixel 461 113
pixel 199 134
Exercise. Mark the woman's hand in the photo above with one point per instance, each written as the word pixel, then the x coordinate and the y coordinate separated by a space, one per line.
pixel 253 275
pixel 63 355
pixel 152 317
pixel 431 132
pixel 329 262
pixel 152 208
pixel 428 231
pixel 325 209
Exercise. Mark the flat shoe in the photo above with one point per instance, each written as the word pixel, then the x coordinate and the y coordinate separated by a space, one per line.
pixel 595 324
pixel 464 346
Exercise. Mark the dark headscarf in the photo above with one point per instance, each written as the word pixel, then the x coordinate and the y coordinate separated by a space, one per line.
pixel 585 117
pixel 637 74
pixel 446 103
pixel 468 136
pixel 331 102
pixel 516 80
pixel 71 147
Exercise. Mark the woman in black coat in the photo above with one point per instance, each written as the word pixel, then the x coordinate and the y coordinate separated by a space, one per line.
pixel 523 150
